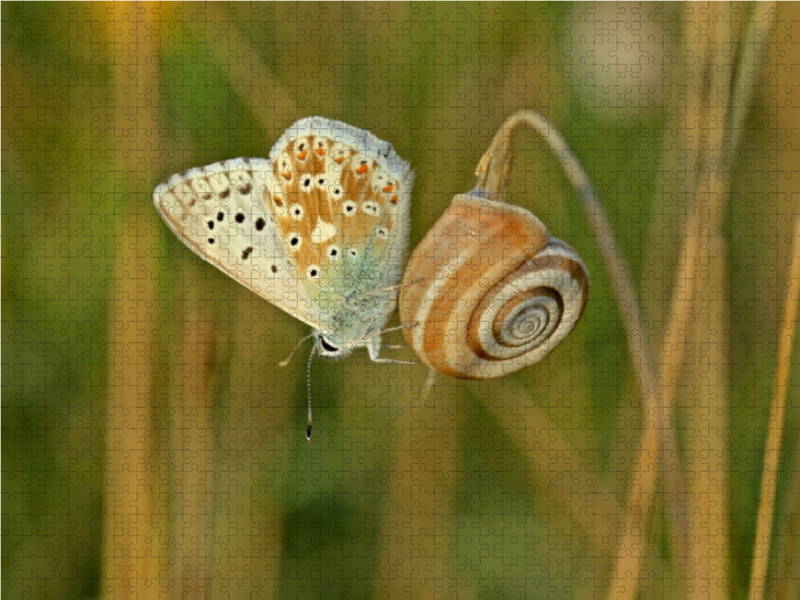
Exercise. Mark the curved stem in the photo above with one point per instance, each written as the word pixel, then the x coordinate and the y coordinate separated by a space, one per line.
pixel 493 171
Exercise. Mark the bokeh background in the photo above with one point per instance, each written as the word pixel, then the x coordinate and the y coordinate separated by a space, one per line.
pixel 151 446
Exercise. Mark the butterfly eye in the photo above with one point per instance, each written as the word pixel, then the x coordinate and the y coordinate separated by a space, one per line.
pixel 334 252
pixel 371 208
pixel 297 211
pixel 327 346
pixel 312 272
pixel 294 241
pixel 349 207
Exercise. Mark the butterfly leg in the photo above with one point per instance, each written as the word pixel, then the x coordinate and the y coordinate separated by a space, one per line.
pixel 390 288
pixel 374 347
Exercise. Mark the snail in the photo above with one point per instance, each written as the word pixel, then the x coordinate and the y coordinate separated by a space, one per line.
pixel 488 291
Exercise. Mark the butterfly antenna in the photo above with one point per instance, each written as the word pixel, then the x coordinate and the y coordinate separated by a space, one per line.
pixel 289 358
pixel 309 422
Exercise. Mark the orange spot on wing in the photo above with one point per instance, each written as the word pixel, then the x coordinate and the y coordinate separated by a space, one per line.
pixel 302 155
pixel 362 169
pixel 340 160
pixel 394 199
pixel 287 176
pixel 321 151
pixel 388 188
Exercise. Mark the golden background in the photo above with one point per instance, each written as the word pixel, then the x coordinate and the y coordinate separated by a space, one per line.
pixel 153 448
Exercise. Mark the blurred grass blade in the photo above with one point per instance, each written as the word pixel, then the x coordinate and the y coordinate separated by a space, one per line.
pixel 418 527
pixel 707 425
pixel 274 106
pixel 769 476
pixel 558 472
pixel 134 526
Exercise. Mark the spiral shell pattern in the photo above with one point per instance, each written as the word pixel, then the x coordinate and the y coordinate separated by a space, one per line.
pixel 490 290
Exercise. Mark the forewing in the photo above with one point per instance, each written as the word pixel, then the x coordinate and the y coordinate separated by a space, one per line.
pixel 344 201
pixel 224 212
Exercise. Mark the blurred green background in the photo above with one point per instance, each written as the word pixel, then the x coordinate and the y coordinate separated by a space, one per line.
pixel 152 447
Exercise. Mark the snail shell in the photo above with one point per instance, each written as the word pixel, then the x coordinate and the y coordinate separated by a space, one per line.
pixel 490 290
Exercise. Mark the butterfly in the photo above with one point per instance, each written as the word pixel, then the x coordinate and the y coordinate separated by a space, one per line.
pixel 320 229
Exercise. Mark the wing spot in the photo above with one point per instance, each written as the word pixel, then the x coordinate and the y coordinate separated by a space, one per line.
pixel 353 252
pixel 278 201
pixel 239 218
pixel 211 225
pixel 260 223
pixel 246 253
pixel 206 196
pixel 225 193
pixel 274 269
pixel 333 252
pixel 312 272
pixel 349 208
pixel 220 216
pixel 306 184
pixel 246 188
pixel 297 211
pixel 371 208
pixel 211 240
pixel 294 241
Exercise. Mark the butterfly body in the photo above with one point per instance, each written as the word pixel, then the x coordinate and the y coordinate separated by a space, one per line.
pixel 319 229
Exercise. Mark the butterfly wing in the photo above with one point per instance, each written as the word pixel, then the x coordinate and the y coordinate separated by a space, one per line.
pixel 225 213
pixel 344 202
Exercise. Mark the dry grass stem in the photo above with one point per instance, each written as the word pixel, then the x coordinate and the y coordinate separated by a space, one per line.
pixel 492 175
